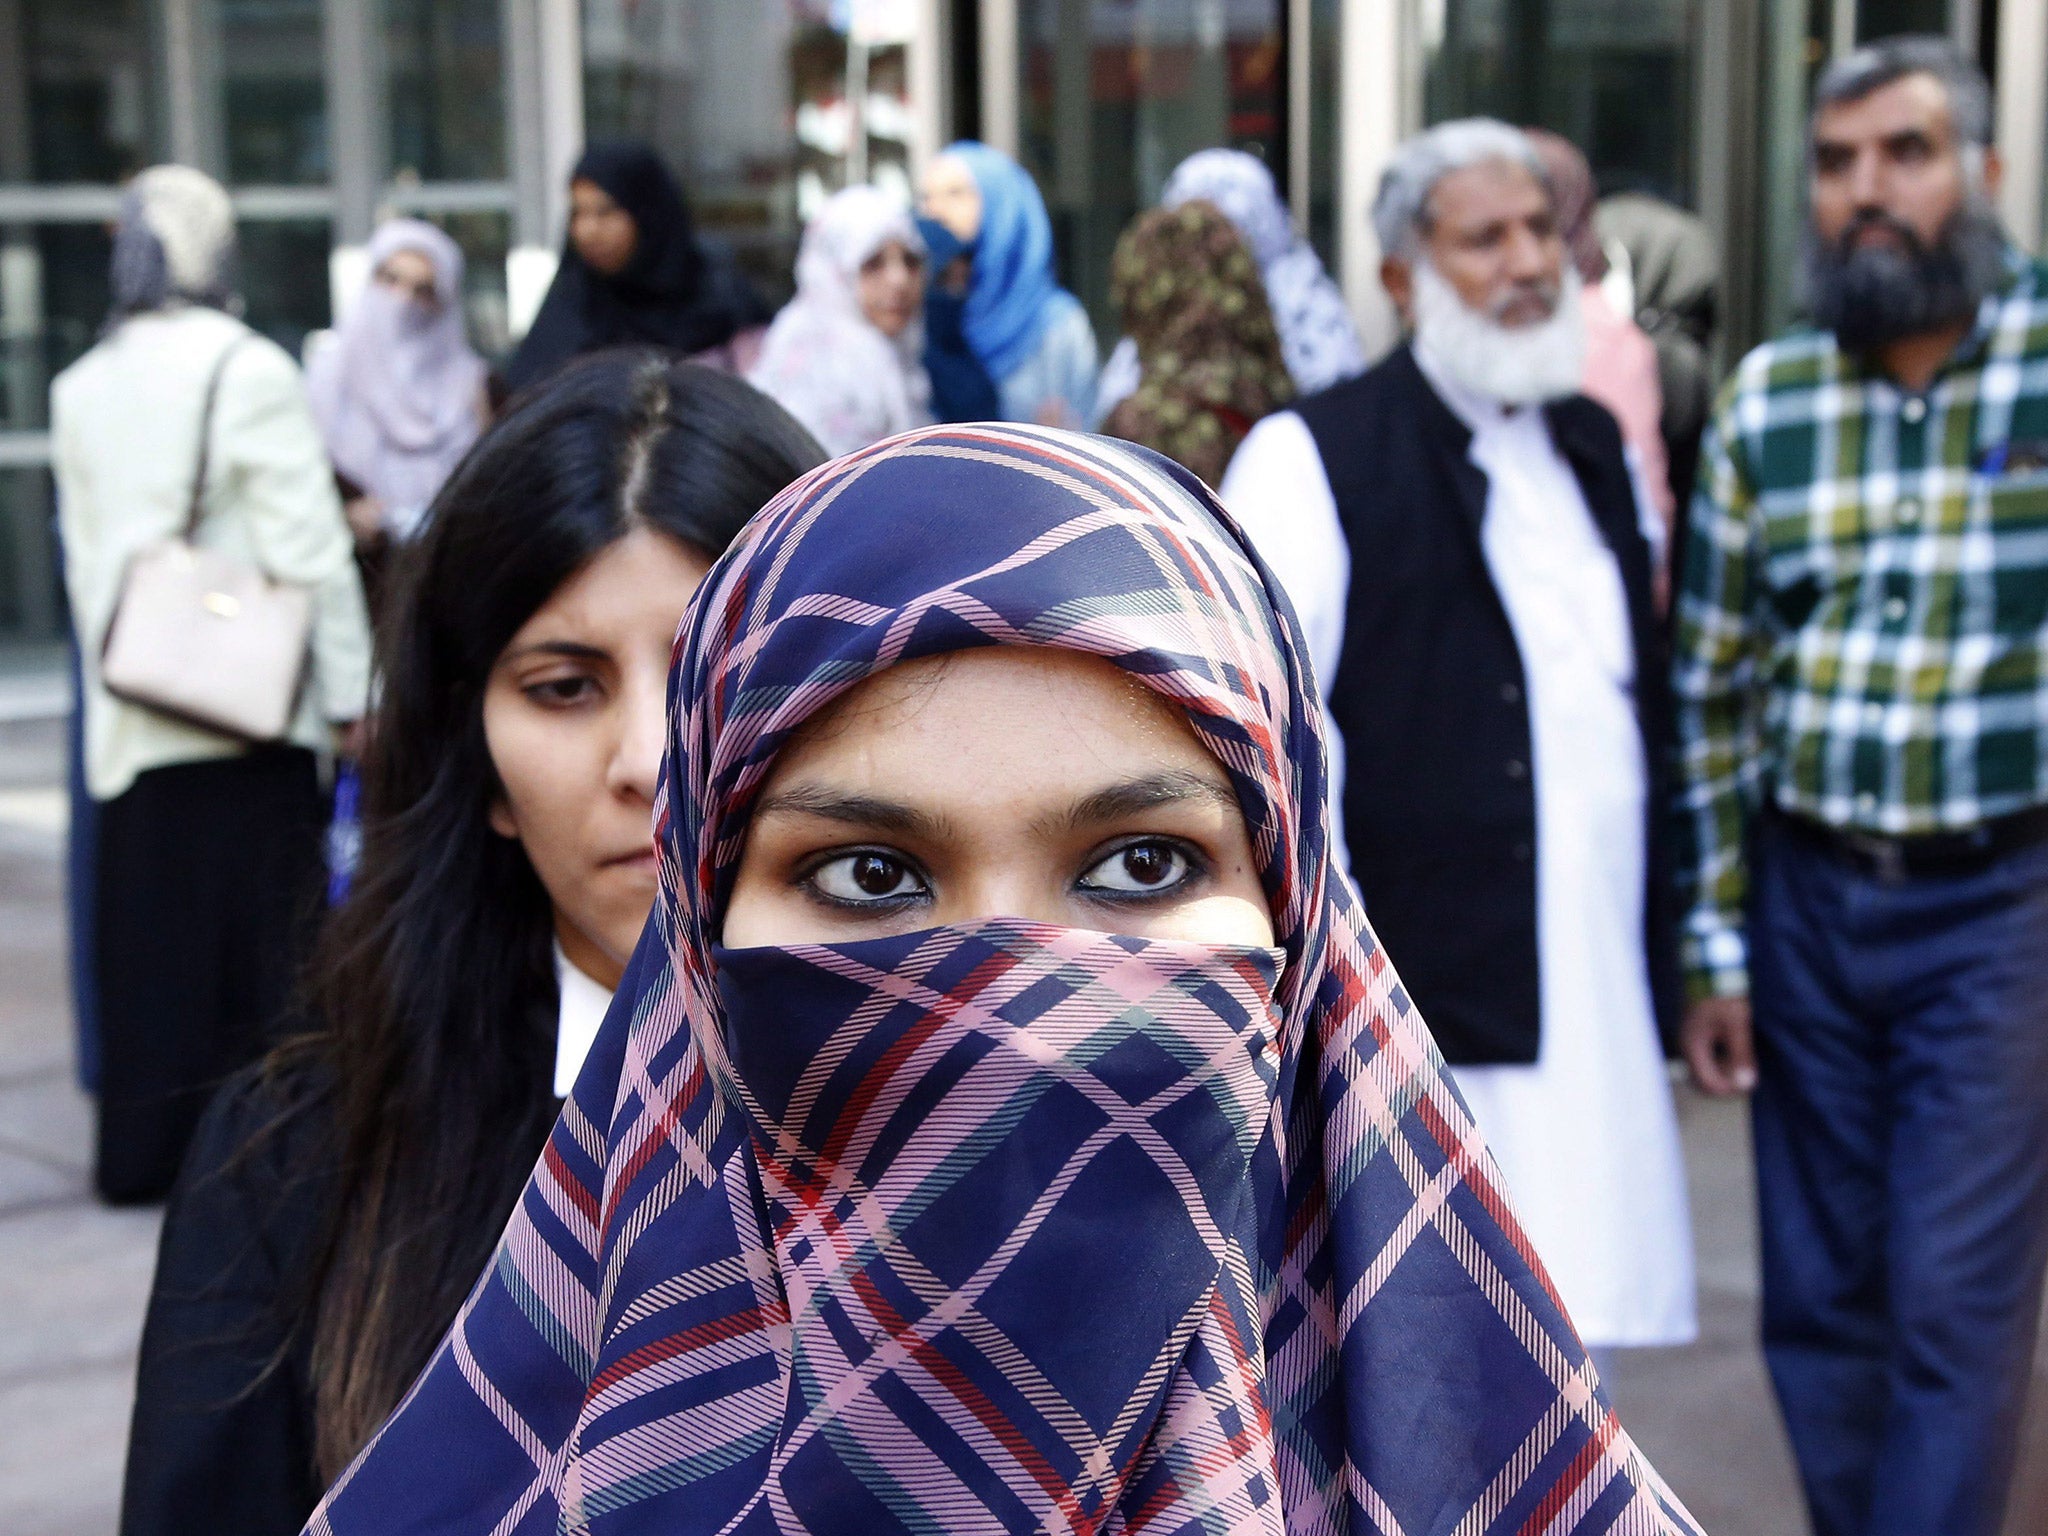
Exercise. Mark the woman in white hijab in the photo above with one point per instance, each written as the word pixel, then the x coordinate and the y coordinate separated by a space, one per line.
pixel 397 391
pixel 1318 337
pixel 843 355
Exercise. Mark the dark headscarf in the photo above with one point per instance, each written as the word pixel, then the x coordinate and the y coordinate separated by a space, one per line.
pixel 1209 362
pixel 677 292
pixel 961 387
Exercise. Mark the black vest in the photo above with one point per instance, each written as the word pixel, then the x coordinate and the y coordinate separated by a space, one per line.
pixel 1439 801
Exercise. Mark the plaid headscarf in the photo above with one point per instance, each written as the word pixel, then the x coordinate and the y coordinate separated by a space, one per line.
pixel 1006 1227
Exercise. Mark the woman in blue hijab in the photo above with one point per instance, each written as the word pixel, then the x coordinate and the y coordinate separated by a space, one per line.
pixel 1031 335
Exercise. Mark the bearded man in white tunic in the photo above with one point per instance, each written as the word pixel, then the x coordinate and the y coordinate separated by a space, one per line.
pixel 1462 535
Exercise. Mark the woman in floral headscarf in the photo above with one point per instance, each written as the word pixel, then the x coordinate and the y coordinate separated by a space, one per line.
pixel 1008 1121
pixel 1318 337
pixel 1209 363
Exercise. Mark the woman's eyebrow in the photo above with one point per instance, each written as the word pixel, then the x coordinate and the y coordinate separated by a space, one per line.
pixel 571 649
pixel 1129 797
pixel 853 810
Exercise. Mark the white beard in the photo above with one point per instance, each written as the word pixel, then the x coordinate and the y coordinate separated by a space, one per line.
pixel 1513 364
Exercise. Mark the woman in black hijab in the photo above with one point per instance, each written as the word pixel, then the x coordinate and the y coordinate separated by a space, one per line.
pixel 634 272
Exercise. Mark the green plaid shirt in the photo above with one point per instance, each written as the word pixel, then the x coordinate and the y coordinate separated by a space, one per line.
pixel 1862 624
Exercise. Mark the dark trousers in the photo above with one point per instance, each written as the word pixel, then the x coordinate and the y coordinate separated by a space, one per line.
pixel 1901 1123
pixel 81 861
pixel 208 879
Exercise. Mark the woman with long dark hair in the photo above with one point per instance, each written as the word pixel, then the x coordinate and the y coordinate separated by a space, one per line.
pixel 340 1201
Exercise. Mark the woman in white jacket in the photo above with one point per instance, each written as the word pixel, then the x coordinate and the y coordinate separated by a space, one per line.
pixel 208 861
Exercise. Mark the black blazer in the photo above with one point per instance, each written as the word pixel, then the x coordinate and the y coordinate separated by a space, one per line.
pixel 1439 802
pixel 222 1435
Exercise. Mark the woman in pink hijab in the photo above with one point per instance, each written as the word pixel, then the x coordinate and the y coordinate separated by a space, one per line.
pixel 398 392
pixel 1621 361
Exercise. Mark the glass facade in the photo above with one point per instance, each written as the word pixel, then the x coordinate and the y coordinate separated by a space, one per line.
pixel 283 277
pixel 87 104
pixel 444 66
pixel 1115 93
pixel 53 298
pixel 1613 76
pixel 323 116
pixel 31 603
pixel 1322 127
pixel 80 107
pixel 268 56
pixel 763 110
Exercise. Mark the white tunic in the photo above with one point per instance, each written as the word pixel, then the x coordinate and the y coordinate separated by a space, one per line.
pixel 1586 1135
pixel 585 1001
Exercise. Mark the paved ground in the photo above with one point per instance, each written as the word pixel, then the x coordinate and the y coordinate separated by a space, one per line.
pixel 73 1276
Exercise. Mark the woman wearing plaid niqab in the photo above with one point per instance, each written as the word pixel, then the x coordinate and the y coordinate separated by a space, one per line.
pixel 1003 1225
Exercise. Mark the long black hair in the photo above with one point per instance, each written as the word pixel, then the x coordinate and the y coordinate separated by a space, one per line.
pixel 433 988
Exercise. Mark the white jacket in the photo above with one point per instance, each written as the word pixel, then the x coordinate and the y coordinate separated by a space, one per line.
pixel 125 422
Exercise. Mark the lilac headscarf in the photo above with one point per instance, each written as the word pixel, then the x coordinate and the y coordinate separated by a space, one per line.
pixel 398 393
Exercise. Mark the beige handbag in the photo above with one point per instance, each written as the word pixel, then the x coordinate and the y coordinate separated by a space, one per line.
pixel 202 636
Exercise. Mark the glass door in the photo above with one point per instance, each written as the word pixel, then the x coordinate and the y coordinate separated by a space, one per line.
pixel 443 141
pixel 1116 93
pixel 79 110
pixel 1613 76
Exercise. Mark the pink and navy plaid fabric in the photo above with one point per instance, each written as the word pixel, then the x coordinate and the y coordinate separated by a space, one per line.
pixel 1007 1228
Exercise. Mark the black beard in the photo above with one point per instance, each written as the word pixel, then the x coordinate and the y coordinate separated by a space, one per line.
pixel 1869 295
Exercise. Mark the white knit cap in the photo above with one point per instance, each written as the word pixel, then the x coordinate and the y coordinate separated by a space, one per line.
pixel 189 213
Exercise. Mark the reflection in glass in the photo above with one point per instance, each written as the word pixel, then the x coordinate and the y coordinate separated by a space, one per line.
pixel 1116 93
pixel 446 88
pixel 90 92
pixel 31 584
pixel 85 110
pixel 53 300
pixel 1613 76
pixel 1885 18
pixel 1322 130
pixel 485 238
pixel 273 91
pixel 283 268
pixel 852 114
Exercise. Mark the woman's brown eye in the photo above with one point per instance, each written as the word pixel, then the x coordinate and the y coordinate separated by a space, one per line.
pixel 876 875
pixel 561 690
pixel 1141 869
pixel 865 877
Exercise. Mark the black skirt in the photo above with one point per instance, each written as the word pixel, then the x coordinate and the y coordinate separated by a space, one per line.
pixel 208 885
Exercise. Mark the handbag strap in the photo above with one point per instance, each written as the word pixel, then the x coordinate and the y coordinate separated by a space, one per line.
pixel 195 507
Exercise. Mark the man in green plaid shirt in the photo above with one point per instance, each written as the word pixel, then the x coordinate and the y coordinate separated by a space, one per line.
pixel 1862 701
